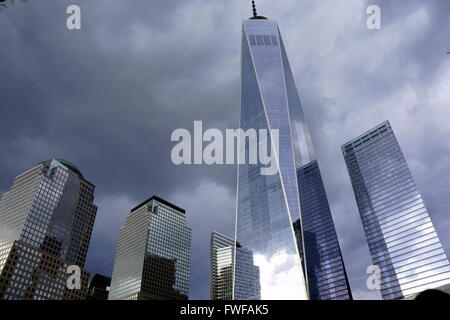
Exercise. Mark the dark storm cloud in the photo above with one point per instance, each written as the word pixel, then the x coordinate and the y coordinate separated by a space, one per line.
pixel 107 98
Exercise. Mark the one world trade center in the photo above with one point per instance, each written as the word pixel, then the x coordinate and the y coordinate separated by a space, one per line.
pixel 286 243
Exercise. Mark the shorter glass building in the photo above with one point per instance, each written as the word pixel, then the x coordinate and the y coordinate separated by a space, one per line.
pixel 46 221
pixel 247 275
pixel 401 237
pixel 153 254
pixel 221 267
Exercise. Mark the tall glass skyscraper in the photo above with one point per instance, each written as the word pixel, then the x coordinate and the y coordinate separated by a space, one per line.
pixel 153 255
pixel 283 220
pixel 46 222
pixel 402 240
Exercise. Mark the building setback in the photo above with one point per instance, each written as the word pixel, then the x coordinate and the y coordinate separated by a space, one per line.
pixel 46 222
pixel 153 254
pixel 401 237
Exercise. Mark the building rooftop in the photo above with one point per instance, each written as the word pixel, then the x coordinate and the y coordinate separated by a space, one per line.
pixel 382 126
pixel 70 165
pixel 165 202
pixel 67 164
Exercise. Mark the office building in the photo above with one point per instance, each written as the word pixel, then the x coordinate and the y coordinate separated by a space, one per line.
pixel 283 220
pixel 153 254
pixel 401 237
pixel 221 267
pixel 46 221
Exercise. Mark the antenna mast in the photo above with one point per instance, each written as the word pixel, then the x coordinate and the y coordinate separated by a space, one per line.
pixel 254 9
pixel 255 14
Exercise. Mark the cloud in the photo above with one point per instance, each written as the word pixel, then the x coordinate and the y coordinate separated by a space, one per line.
pixel 288 284
pixel 111 213
pixel 107 98
pixel 209 207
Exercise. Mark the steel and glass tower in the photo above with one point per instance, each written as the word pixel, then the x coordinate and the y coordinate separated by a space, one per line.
pixel 46 222
pixel 402 240
pixel 283 220
pixel 153 255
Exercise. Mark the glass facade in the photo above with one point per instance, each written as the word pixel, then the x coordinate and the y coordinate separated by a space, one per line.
pixel 221 273
pixel 153 254
pixel 269 210
pixel 327 278
pixel 402 240
pixel 30 273
pixel 47 217
pixel 247 284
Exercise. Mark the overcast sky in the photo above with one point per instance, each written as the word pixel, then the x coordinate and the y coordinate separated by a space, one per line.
pixel 108 96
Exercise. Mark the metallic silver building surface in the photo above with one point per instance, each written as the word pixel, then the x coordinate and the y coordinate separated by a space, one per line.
pixel 401 237
pixel 153 254
pixel 271 209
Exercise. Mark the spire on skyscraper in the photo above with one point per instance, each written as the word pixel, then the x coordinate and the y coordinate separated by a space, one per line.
pixel 255 15
pixel 254 9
